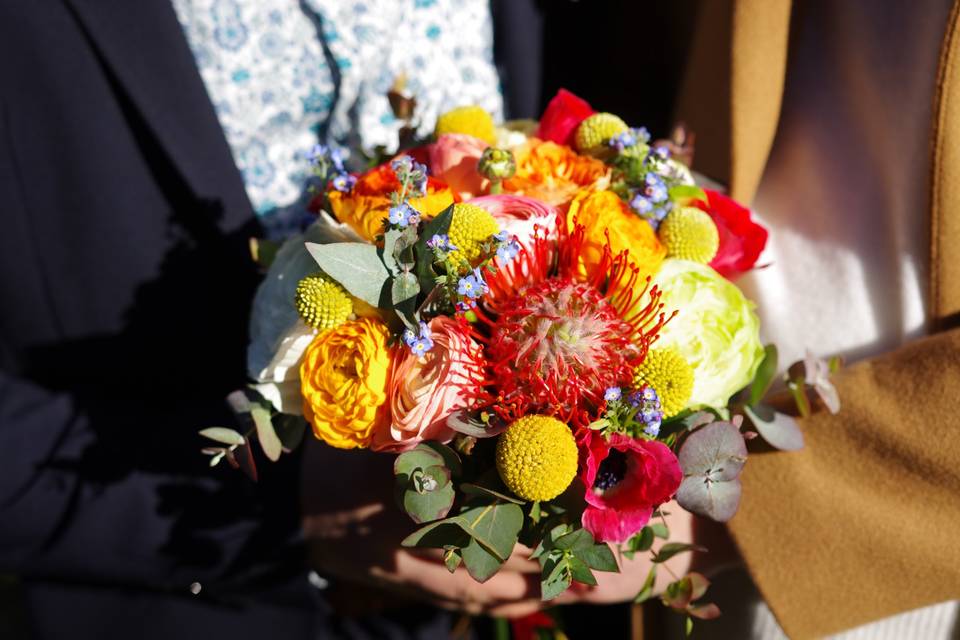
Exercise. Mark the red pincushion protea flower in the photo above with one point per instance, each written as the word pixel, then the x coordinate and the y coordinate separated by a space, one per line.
pixel 625 479
pixel 559 345
pixel 557 341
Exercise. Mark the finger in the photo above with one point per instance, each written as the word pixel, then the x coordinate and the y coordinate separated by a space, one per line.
pixel 516 609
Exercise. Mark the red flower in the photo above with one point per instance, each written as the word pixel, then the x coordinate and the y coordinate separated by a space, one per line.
pixel 563 115
pixel 741 239
pixel 625 479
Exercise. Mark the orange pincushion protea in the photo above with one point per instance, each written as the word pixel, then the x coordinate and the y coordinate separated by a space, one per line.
pixel 365 206
pixel 551 172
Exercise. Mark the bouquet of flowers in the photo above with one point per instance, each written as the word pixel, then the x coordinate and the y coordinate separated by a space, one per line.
pixel 536 320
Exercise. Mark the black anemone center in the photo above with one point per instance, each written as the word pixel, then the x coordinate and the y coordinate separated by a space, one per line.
pixel 612 471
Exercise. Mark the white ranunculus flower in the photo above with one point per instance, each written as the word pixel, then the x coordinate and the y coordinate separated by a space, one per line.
pixel 715 329
pixel 278 337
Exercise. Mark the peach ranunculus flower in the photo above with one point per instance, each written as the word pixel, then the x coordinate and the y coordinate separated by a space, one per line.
pixel 551 172
pixel 520 216
pixel 603 211
pixel 453 159
pixel 343 379
pixel 424 391
pixel 365 207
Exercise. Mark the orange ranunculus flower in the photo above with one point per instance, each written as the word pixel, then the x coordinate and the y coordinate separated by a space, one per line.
pixel 551 172
pixel 601 211
pixel 365 207
pixel 343 379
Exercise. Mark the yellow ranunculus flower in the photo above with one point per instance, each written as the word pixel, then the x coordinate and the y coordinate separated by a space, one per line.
pixel 343 379
pixel 601 211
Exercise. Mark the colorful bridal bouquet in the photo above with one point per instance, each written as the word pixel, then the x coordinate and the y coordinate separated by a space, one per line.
pixel 536 320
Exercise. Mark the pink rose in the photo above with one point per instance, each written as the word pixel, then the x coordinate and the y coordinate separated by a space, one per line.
pixel 625 479
pixel 423 392
pixel 453 159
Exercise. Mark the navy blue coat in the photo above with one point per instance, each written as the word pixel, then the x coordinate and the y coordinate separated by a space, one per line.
pixel 124 289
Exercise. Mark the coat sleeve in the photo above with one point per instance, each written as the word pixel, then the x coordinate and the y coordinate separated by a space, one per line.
pixel 861 524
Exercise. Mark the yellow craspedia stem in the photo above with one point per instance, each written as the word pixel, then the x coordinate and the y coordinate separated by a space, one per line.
pixel 470 120
pixel 469 227
pixel 670 375
pixel 593 133
pixel 322 303
pixel 689 234
pixel 537 457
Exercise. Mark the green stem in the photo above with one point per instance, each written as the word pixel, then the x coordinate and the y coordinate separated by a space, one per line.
pixel 501 629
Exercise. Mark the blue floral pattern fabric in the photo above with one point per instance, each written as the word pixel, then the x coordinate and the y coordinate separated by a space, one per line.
pixel 284 75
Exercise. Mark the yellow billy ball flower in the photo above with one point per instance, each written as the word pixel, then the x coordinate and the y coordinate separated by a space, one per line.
pixel 471 120
pixel 469 226
pixel 322 303
pixel 690 234
pixel 593 133
pixel 670 375
pixel 537 457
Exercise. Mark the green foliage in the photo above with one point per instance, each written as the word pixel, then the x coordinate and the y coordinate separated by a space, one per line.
pixel 266 434
pixel 646 591
pixel 440 225
pixel 423 484
pixel 778 429
pixel 223 435
pixel 671 549
pixel 567 554
pixel 357 266
pixel 483 535
pixel 766 371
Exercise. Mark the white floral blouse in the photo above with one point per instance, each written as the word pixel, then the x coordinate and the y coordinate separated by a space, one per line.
pixel 284 75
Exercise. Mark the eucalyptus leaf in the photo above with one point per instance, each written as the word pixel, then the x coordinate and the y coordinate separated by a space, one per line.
pixel 764 376
pixel 432 503
pixel 452 558
pixel 778 429
pixel 356 266
pixel 495 526
pixel 450 457
pixel 660 530
pixel 223 435
pixel 477 490
pixel 290 430
pixel 438 535
pixel 678 594
pixel 403 293
pixel 463 421
pixel 419 457
pixel 707 611
pixel 266 434
pixel 481 564
pixel 388 252
pixel 711 460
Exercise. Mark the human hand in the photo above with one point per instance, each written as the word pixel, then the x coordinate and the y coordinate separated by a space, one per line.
pixel 354 531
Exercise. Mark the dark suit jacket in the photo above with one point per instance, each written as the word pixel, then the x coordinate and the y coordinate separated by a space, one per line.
pixel 124 292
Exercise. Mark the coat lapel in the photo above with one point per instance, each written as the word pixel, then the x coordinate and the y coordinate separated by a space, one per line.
pixel 945 185
pixel 143 47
